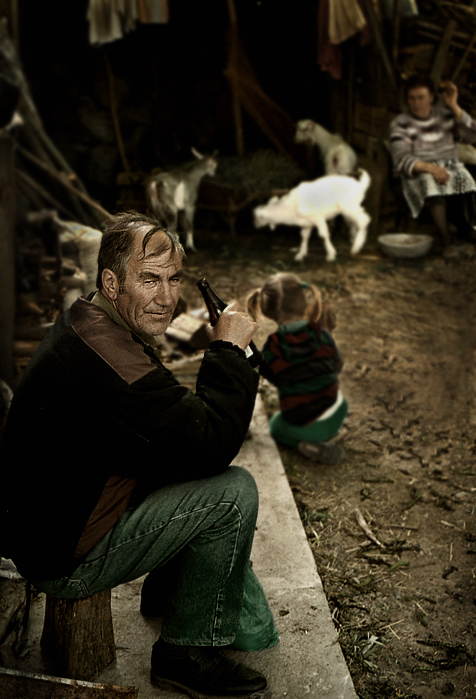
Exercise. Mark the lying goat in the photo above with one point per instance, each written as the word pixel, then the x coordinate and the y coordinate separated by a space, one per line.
pixel 172 195
pixel 337 156
pixel 312 204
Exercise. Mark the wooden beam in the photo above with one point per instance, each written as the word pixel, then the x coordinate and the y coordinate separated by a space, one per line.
pixel 396 30
pixel 230 73
pixel 441 55
pixel 15 683
pixel 463 58
pixel 7 257
pixel 374 24
pixel 64 179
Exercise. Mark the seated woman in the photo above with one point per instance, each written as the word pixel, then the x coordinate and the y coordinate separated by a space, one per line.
pixel 425 154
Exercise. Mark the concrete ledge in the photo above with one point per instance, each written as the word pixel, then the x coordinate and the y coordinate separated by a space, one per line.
pixel 308 660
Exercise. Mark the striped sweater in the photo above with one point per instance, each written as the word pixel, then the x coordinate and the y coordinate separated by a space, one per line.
pixel 431 139
pixel 303 362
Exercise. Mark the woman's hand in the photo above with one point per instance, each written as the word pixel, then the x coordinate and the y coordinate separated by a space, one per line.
pixel 440 174
pixel 449 92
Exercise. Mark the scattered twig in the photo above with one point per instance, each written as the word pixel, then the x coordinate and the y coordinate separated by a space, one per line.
pixel 402 526
pixel 366 529
pixel 389 626
pixel 453 526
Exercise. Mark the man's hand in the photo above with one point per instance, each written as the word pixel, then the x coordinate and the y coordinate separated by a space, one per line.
pixel 234 325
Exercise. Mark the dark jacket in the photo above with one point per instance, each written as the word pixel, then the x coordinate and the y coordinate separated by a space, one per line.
pixel 96 401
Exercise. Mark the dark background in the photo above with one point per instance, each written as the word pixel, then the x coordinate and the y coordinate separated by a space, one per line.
pixel 170 89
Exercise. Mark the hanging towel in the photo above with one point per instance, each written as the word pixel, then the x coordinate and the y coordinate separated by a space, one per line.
pixel 329 56
pixel 111 19
pixel 345 20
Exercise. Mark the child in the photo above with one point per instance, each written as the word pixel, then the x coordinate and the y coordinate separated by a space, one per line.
pixel 303 362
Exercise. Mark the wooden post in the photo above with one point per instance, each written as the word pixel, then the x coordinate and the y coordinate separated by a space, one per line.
pixel 442 53
pixel 7 257
pixel 114 115
pixel 463 59
pixel 231 75
pixel 78 635
pixel 396 31
pixel 374 23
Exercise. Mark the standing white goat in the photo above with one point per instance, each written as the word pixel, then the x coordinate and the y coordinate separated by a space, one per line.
pixel 312 204
pixel 172 195
pixel 338 157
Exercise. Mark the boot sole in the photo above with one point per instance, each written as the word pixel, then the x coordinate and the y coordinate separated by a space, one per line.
pixel 172 685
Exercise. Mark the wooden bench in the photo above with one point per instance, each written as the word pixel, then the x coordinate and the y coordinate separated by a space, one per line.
pixel 78 635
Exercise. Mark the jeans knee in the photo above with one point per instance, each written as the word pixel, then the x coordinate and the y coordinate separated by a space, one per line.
pixel 247 496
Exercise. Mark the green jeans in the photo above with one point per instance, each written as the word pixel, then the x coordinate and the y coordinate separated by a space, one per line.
pixel 202 532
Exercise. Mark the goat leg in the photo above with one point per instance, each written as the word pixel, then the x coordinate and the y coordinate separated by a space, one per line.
pixel 360 236
pixel 303 250
pixel 323 232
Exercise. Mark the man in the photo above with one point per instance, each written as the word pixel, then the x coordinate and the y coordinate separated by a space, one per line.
pixel 135 472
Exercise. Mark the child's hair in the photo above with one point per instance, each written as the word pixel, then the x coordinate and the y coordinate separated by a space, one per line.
pixel 284 295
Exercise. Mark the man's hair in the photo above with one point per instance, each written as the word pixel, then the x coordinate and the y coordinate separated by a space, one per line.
pixel 118 240
pixel 416 81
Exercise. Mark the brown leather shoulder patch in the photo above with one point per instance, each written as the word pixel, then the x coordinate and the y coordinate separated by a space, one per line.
pixel 112 343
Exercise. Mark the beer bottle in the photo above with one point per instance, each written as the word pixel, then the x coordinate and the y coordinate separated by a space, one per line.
pixel 215 306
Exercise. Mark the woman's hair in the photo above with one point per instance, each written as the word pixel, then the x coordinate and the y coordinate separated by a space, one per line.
pixel 416 81
pixel 284 295
pixel 118 240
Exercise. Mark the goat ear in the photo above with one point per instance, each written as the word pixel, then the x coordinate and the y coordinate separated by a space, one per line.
pixel 196 153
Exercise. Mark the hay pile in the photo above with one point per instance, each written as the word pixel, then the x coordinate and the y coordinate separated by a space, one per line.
pixel 260 170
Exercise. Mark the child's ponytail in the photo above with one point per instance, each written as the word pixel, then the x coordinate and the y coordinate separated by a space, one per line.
pixel 253 304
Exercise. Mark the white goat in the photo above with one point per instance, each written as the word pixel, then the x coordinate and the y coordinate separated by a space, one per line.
pixel 338 157
pixel 312 204
pixel 172 195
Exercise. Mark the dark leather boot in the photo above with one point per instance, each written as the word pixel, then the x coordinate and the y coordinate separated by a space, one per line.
pixel 203 672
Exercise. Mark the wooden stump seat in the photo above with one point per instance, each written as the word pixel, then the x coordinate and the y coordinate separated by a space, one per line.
pixel 78 635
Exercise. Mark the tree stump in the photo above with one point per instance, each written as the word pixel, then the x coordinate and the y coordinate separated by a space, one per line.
pixel 78 635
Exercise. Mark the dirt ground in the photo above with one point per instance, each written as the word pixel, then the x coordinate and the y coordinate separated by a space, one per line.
pixel 402 595
pixel 403 603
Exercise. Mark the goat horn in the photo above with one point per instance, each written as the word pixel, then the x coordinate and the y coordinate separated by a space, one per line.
pixel 196 153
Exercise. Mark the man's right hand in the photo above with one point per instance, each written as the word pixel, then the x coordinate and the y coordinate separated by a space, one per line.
pixel 234 325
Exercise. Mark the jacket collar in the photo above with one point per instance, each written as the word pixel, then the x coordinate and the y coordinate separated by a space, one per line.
pixel 100 300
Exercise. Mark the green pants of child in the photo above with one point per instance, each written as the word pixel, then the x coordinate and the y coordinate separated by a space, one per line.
pixel 320 430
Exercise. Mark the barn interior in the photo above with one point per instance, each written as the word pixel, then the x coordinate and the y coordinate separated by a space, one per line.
pixel 106 101
pixel 92 109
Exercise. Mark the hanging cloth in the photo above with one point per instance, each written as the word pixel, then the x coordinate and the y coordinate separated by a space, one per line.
pixel 154 11
pixel 345 20
pixel 408 8
pixel 329 56
pixel 111 19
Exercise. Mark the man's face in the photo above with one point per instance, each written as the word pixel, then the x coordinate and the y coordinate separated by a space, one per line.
pixel 420 101
pixel 151 290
